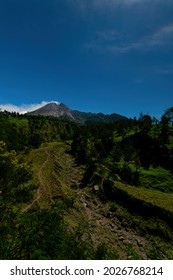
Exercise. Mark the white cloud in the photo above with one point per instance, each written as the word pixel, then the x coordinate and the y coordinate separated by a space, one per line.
pixel 110 2
pixel 108 35
pixel 132 2
pixel 163 34
pixel 106 44
pixel 87 8
pixel 118 2
pixel 167 70
pixel 24 108
pixel 84 6
pixel 110 41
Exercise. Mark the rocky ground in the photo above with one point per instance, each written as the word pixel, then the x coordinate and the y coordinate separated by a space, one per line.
pixel 59 175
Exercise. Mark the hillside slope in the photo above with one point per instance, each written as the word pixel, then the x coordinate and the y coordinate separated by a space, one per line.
pixel 102 222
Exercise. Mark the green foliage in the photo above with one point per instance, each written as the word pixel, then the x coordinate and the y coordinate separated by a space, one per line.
pixel 12 173
pixel 130 161
pixel 113 206
pixel 168 115
pixel 38 235
pixel 42 234
pixel 20 132
pixel 133 255
pixel 105 253
pixel 139 154
pixel 157 178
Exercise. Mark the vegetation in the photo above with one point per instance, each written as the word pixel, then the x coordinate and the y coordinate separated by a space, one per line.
pixel 104 190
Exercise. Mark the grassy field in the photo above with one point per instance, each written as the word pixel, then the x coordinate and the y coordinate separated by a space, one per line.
pixel 157 178
pixel 154 197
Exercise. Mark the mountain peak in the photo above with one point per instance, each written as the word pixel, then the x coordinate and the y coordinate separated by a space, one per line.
pixel 53 109
pixel 61 110
pixel 63 106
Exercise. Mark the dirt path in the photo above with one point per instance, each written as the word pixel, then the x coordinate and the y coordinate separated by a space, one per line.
pixel 41 183
pixel 88 210
pixel 40 173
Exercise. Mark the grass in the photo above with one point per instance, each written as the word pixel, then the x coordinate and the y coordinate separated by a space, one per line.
pixel 56 173
pixel 50 174
pixel 132 253
pixel 154 197
pixel 18 122
pixel 155 231
pixel 158 178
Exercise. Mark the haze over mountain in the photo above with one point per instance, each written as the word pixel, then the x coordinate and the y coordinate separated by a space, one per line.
pixel 61 110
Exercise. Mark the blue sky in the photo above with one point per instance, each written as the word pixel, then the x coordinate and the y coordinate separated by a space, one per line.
pixel 93 55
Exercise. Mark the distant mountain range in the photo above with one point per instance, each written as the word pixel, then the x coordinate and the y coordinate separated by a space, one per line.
pixel 62 111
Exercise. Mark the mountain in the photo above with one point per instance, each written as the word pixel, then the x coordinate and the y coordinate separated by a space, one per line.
pixel 53 109
pixel 62 111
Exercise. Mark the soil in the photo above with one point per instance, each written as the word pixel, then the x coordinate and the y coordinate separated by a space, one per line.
pixel 89 213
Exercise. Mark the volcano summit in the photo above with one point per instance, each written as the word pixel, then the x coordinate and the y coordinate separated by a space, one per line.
pixel 62 111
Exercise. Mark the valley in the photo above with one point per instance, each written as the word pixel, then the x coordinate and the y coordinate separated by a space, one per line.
pixel 103 190
pixel 101 222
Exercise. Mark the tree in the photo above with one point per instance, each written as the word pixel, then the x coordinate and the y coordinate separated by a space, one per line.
pixel 164 135
pixel 146 123
pixel 12 173
pixel 164 120
pixel 154 120
pixel 168 115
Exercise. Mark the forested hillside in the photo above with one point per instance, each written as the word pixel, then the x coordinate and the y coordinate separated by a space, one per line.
pixel 103 190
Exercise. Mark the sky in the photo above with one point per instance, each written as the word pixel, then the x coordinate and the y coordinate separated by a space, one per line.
pixel 110 56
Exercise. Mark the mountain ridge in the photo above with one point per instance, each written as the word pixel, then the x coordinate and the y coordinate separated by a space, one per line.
pixel 62 111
